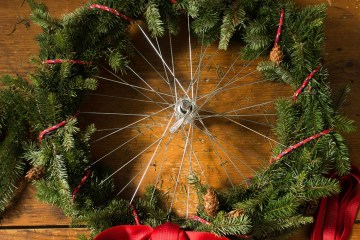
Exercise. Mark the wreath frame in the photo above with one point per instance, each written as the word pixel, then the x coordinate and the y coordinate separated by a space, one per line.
pixel 266 207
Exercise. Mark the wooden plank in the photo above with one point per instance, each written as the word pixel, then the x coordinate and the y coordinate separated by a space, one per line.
pixel 17 48
pixel 26 210
pixel 342 57
pixel 44 233
pixel 355 233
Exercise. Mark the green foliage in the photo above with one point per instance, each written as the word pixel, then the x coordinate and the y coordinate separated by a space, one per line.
pixel 271 204
pixel 226 225
pixel 117 61
pixel 154 21
pixel 117 212
pixel 234 16
pixel 272 228
pixel 14 96
pixel 320 186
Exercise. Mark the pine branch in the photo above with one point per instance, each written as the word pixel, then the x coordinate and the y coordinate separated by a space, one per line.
pixel 224 225
pixel 318 187
pixel 154 22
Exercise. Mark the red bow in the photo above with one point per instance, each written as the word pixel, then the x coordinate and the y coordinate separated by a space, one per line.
pixel 166 231
pixel 336 214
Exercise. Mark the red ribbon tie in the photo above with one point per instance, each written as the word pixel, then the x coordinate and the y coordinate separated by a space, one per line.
pixel 166 231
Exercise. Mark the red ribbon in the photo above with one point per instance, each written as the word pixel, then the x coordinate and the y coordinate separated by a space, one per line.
pixel 58 61
pixel 299 144
pixel 166 231
pixel 336 215
pixel 305 83
pixel 55 127
pixel 111 10
pixel 83 180
pixel 281 22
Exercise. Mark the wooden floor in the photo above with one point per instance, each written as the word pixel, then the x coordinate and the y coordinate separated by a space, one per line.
pixel 29 219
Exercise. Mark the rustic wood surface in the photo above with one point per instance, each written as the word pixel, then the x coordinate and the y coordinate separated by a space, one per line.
pixel 27 218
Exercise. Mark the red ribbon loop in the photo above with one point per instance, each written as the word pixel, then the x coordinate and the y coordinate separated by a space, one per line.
pixel 336 215
pixel 166 231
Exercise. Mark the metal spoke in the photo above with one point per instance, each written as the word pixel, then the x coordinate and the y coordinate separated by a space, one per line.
pixel 222 89
pixel 199 66
pixel 198 69
pixel 149 126
pixel 148 62
pixel 198 163
pixel 157 93
pixel 167 77
pixel 248 128
pixel 236 115
pixel 230 81
pixel 151 159
pixel 136 87
pixel 115 149
pixel 130 161
pixel 172 73
pixel 190 57
pixel 173 65
pixel 132 124
pixel 255 105
pixel 118 114
pixel 190 169
pixel 179 172
pixel 225 151
pixel 171 138
pixel 125 98
pixel 217 153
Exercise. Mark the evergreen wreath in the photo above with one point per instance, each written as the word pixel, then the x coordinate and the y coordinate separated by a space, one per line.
pixel 278 196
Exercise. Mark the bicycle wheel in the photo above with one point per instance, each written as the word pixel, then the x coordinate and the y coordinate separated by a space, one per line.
pixel 183 109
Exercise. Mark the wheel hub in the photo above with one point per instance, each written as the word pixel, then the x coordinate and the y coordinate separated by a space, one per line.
pixel 185 108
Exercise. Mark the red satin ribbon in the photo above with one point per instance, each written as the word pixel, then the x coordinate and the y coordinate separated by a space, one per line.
pixel 336 215
pixel 166 231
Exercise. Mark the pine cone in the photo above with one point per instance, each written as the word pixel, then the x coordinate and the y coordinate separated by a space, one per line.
pixel 35 173
pixel 235 213
pixel 276 55
pixel 211 203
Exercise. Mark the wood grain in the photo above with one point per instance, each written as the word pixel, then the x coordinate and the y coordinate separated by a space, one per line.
pixel 342 57
pixel 43 233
